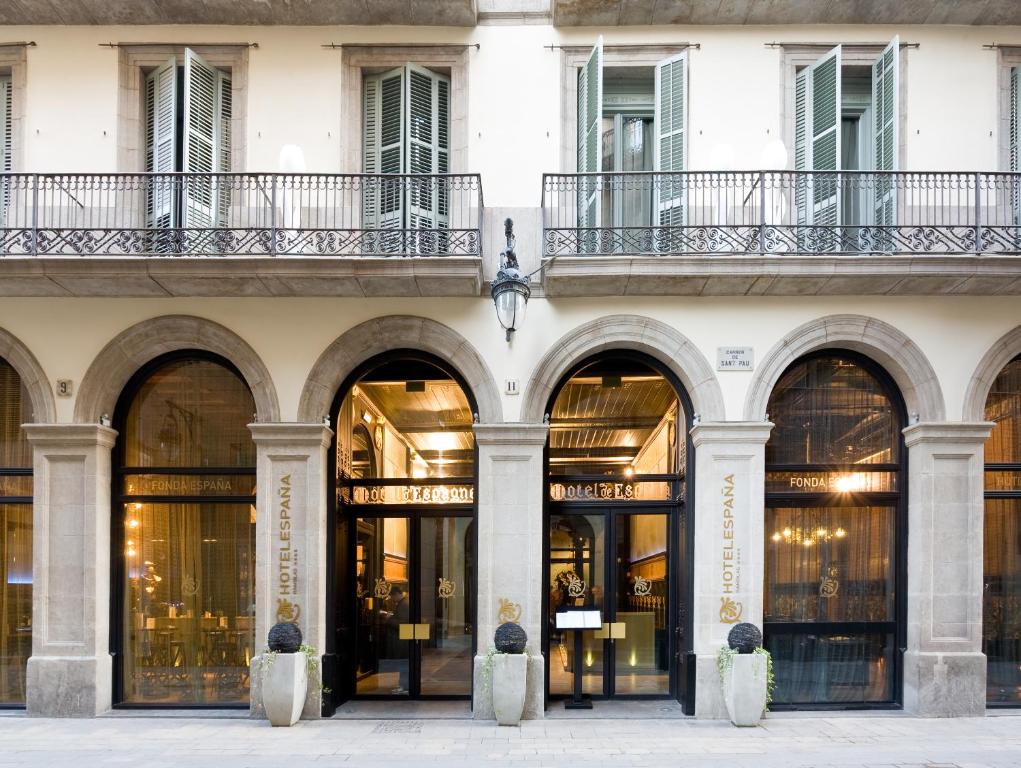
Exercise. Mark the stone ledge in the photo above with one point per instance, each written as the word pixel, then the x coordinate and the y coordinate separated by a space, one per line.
pixel 948 433
pixel 70 435
pixel 131 276
pixel 291 434
pixel 511 434
pixel 731 432
pixel 774 275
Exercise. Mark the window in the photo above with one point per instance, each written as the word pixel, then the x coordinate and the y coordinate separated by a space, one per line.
pixel 184 535
pixel 15 537
pixel 6 140
pixel 846 118
pixel 406 113
pixel 833 596
pixel 630 119
pixel 1001 603
pixel 187 129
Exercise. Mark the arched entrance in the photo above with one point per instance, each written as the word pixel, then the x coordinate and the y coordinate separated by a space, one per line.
pixel 1001 603
pixel 619 535
pixel 404 540
pixel 835 534
pixel 183 535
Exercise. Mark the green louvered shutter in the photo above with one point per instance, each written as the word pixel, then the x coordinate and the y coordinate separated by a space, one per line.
pixel 817 148
pixel 201 119
pixel 224 146
pixel 383 153
pixel 671 126
pixel 6 145
pixel 160 143
pixel 590 112
pixel 885 106
pixel 427 153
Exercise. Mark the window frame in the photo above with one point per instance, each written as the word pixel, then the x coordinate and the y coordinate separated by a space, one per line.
pixel 358 61
pixel 1009 57
pixel 135 63
pixel 13 62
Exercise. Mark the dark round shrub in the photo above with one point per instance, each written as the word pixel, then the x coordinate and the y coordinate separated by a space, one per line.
pixel 510 638
pixel 744 638
pixel 285 637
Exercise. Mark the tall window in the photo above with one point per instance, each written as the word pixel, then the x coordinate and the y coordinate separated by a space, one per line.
pixel 833 514
pixel 184 535
pixel 187 129
pixel 406 130
pixel 1001 605
pixel 15 537
pixel 6 141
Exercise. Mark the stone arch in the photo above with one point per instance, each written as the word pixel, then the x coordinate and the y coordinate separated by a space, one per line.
pixel 877 340
pixel 44 407
pixel 383 334
pixel 131 349
pixel 1006 348
pixel 642 334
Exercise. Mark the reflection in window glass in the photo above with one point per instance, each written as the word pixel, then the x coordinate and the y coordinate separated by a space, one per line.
pixel 831 534
pixel 1001 605
pixel 15 537
pixel 188 573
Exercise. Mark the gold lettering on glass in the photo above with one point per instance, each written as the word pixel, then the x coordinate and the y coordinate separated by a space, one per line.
pixel 575 587
pixel 382 590
pixel 446 588
pixel 643 586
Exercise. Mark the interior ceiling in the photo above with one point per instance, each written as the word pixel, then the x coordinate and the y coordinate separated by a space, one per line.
pixel 590 420
pixel 437 419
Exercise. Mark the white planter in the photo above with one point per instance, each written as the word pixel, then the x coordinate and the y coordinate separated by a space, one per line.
pixel 508 681
pixel 284 685
pixel 744 689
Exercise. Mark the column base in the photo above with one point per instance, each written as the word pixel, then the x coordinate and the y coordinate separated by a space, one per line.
pixel 945 684
pixel 535 705
pixel 709 704
pixel 69 686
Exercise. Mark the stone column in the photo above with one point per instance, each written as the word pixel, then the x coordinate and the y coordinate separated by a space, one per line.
pixel 510 550
pixel 70 673
pixel 944 667
pixel 729 551
pixel 290 534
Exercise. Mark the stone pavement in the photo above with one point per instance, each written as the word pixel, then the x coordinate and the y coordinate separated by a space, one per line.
pixel 888 740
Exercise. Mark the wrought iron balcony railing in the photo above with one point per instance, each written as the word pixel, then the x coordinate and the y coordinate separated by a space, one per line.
pixel 781 212
pixel 240 214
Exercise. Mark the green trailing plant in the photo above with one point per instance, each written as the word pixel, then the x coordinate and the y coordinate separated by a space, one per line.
pixel 487 665
pixel 267 657
pixel 725 662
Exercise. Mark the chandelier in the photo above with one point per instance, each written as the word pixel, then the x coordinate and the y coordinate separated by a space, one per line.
pixel 808 537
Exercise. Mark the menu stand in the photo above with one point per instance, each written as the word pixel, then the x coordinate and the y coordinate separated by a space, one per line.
pixel 578 618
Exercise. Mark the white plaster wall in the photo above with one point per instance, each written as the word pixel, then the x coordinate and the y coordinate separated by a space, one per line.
pixel 514 93
pixel 289 334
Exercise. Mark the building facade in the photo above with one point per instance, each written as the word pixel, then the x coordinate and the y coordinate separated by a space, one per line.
pixel 251 371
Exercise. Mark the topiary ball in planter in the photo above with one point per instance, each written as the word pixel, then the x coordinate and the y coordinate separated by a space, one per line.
pixel 284 637
pixel 510 638
pixel 744 638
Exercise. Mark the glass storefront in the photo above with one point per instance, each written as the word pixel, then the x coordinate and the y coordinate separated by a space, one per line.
pixel 184 535
pixel 405 536
pixel 1001 605
pixel 15 537
pixel 616 527
pixel 832 543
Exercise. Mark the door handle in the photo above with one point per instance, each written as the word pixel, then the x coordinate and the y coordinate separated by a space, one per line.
pixel 413 631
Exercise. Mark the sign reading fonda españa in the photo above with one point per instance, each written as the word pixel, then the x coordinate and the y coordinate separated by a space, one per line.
pixel 287 583
pixel 730 562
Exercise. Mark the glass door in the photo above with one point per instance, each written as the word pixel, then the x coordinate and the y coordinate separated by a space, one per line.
pixel 616 561
pixel 414 627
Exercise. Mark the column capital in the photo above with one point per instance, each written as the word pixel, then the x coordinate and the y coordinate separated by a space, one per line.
pixel 731 432
pixel 313 435
pixel 952 433
pixel 515 433
pixel 70 435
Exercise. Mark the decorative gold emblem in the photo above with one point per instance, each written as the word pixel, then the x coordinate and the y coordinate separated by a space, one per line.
pixel 446 588
pixel 189 587
pixel 509 612
pixel 830 584
pixel 287 611
pixel 730 611
pixel 382 590
pixel 643 586
pixel 575 587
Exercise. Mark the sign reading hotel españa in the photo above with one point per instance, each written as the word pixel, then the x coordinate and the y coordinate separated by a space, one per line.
pixel 288 606
pixel 730 564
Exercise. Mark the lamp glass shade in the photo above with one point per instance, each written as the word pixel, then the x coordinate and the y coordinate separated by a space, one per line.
pixel 510 307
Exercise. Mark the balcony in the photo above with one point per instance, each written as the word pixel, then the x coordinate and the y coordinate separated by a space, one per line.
pixel 240 234
pixel 782 233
